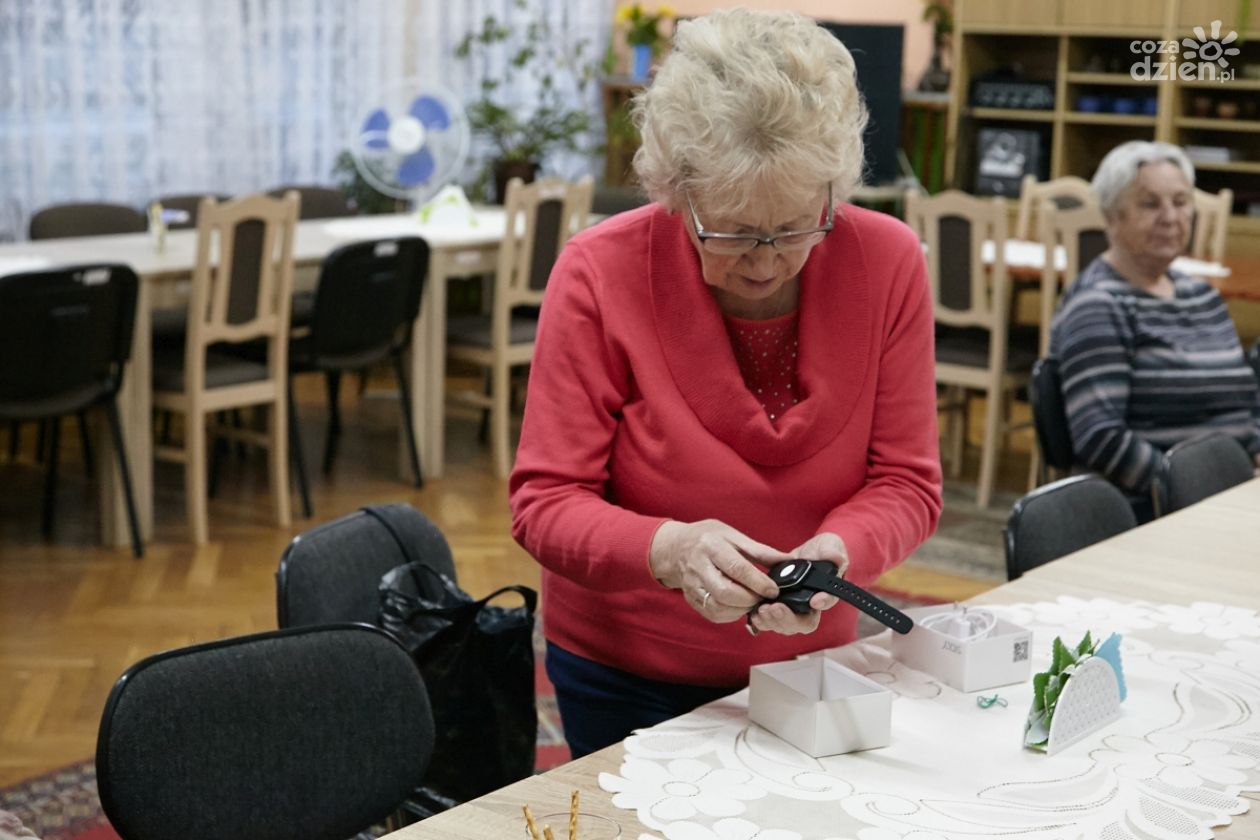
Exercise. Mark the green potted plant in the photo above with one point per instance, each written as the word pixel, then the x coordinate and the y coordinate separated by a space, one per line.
pixel 557 72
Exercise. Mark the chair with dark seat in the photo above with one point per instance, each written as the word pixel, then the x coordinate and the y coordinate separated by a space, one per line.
pixel 317 202
pixel 65 339
pixel 1062 517
pixel 314 732
pixel 1253 358
pixel 975 347
pixel 86 219
pixel 1195 469
pixel 366 300
pixel 240 294
pixel 1054 437
pixel 547 212
pixel 331 572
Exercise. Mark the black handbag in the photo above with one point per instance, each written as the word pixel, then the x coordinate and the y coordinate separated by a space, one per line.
pixel 477 660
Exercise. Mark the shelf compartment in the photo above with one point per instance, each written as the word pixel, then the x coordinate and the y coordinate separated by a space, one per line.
pixel 1083 78
pixel 1246 167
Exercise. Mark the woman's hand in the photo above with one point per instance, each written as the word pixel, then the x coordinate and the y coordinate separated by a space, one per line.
pixel 713 565
pixel 778 618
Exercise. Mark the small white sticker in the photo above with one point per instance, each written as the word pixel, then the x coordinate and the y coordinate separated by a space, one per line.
pixel 385 249
pixel 787 570
pixel 94 276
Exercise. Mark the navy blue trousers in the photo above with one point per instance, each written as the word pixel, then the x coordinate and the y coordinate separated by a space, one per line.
pixel 601 705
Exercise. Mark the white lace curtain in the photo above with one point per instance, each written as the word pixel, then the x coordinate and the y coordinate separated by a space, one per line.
pixel 126 100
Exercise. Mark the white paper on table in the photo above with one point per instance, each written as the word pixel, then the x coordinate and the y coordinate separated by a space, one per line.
pixel 1024 254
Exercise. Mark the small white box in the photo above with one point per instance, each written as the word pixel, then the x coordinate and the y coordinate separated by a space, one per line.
pixel 1003 657
pixel 819 706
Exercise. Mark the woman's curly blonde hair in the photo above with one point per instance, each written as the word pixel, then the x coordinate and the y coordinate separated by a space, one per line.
pixel 746 101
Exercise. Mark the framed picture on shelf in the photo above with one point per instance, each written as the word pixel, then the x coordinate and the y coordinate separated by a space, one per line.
pixel 1005 156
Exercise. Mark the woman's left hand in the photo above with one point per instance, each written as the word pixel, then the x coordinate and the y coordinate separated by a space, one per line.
pixel 778 618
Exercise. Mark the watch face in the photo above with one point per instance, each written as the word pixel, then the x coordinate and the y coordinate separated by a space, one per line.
pixel 789 573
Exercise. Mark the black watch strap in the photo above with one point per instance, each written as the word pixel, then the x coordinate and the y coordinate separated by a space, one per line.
pixel 876 608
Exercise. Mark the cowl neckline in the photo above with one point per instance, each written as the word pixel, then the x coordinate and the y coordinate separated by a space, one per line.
pixel 834 301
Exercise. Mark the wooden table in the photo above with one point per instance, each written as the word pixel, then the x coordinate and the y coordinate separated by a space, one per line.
pixel 455 251
pixel 1209 551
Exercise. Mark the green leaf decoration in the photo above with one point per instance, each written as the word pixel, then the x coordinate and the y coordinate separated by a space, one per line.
pixel 1048 687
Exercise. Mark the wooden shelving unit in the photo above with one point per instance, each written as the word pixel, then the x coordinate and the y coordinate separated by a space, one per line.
pixel 1084 49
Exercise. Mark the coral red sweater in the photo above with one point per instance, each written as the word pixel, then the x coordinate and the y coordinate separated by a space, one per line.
pixel 637 413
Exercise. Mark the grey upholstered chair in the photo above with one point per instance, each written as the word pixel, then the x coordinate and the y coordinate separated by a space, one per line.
pixel 86 219
pixel 1063 517
pixel 1195 469
pixel 331 573
pixel 314 732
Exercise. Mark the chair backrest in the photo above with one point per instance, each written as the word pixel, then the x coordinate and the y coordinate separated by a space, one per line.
pixel 1253 358
pixel 1062 517
pixel 331 573
pixel 368 293
pixel 1054 436
pixel 1195 469
pixel 190 203
pixel 65 337
pixel 86 219
pixel 1211 224
pixel 1081 234
pixel 317 202
pixel 316 732
pixel 1064 193
pixel 546 213
pixel 954 227
pixel 608 201
pixel 245 293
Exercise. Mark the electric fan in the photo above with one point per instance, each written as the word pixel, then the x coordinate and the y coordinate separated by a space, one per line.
pixel 413 143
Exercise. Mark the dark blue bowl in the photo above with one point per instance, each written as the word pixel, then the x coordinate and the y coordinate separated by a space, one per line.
pixel 1090 104
pixel 1124 105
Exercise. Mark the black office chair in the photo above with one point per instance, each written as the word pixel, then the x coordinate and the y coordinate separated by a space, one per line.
pixel 86 219
pixel 1050 416
pixel 190 203
pixel 1063 517
pixel 332 572
pixel 1195 469
pixel 65 339
pixel 366 301
pixel 1253 358
pixel 314 732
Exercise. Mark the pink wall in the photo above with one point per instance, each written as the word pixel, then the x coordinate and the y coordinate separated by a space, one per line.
pixel 918 44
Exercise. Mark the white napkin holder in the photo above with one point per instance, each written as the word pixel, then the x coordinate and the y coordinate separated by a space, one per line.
pixel 1090 700
pixel 1002 657
pixel 819 706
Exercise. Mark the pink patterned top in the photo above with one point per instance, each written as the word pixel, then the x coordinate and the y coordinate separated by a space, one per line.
pixel 766 354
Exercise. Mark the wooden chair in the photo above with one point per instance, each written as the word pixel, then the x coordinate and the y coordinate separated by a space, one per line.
pixel 1081 232
pixel 1064 193
pixel 243 296
pixel 547 212
pixel 971 303
pixel 1211 224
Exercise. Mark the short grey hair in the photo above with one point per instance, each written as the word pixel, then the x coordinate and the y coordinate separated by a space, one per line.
pixel 748 99
pixel 1120 167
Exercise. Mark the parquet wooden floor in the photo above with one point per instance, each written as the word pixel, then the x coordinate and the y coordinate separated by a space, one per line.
pixel 73 615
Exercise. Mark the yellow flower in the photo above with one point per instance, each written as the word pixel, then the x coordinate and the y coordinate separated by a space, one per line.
pixel 667 11
pixel 623 14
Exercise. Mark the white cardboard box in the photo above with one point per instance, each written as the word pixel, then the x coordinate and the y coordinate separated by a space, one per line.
pixel 1001 658
pixel 819 706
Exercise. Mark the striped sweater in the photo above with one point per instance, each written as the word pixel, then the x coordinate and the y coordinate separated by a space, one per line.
pixel 1141 373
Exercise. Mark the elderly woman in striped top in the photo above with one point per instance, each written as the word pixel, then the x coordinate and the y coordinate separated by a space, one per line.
pixel 1149 355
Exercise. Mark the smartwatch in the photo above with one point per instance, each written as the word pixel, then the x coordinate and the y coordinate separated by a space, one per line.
pixel 798 580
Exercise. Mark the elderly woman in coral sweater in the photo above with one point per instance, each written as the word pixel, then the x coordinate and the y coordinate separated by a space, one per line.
pixel 735 375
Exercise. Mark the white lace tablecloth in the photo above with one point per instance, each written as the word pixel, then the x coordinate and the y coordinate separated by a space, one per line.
pixel 1186 745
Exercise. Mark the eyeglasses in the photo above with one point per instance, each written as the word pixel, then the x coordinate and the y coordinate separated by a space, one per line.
pixel 743 243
